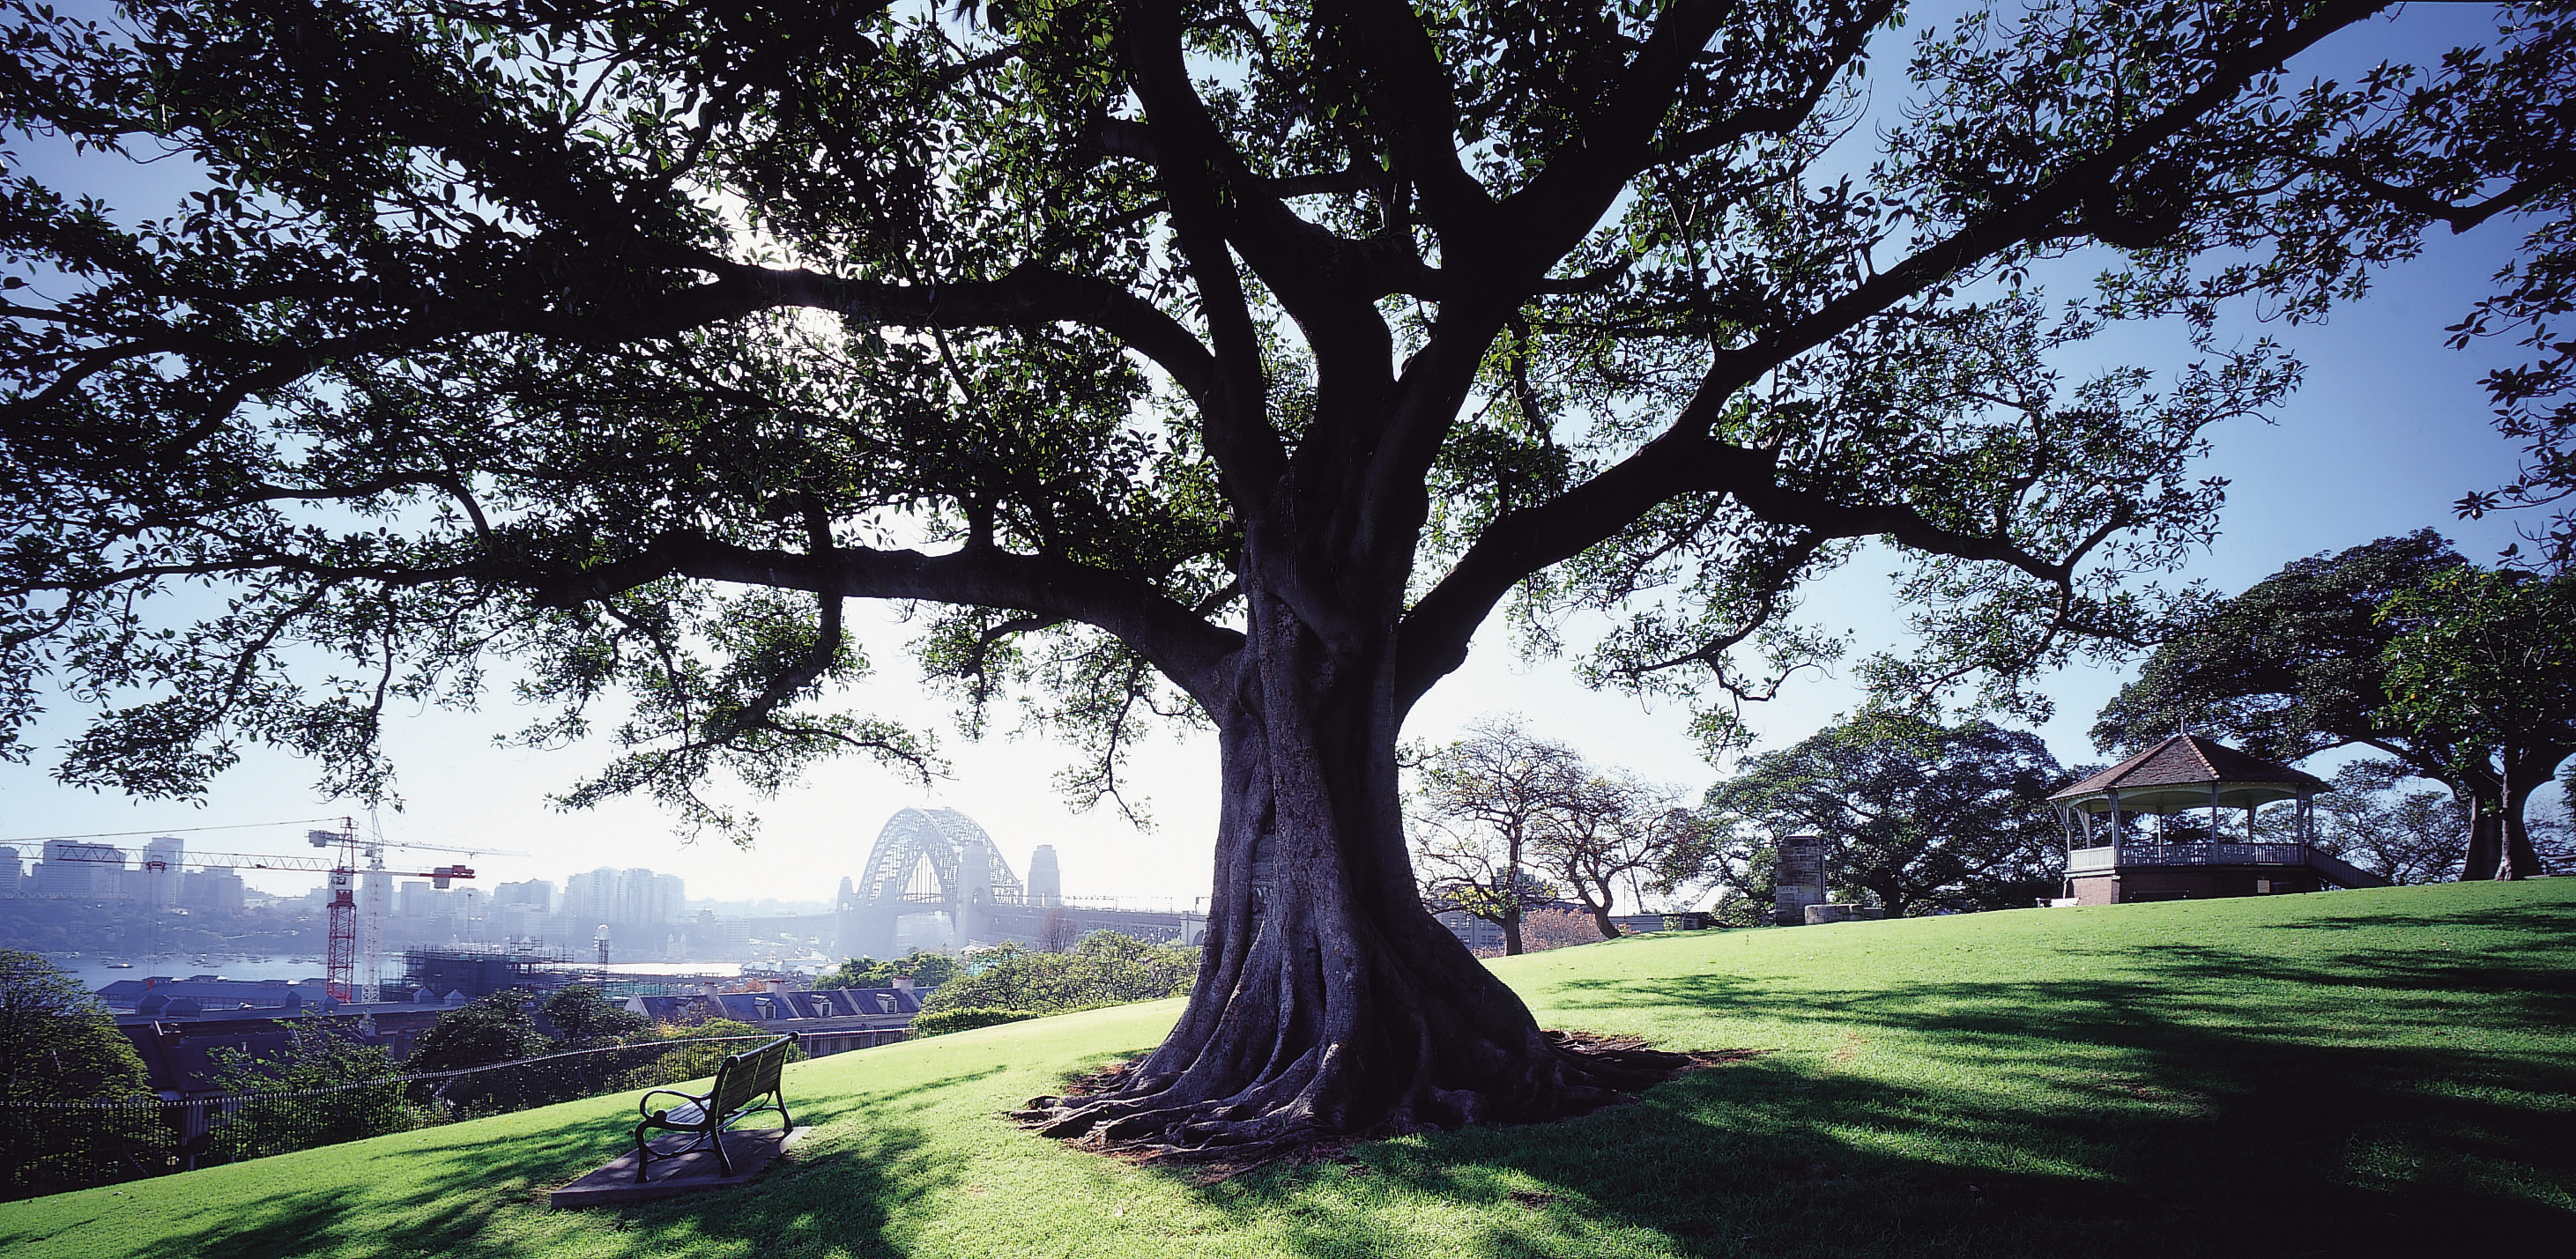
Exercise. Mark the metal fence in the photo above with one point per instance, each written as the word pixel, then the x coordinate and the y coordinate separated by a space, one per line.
pixel 50 1147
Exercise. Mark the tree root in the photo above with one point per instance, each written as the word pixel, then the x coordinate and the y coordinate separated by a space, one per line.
pixel 1113 1112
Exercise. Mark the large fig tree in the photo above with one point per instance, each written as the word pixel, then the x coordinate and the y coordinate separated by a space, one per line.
pixel 1222 359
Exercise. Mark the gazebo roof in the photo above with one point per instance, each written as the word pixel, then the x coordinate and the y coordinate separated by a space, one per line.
pixel 2190 760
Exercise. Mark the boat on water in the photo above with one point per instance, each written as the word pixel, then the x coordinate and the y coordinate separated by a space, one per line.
pixel 120 965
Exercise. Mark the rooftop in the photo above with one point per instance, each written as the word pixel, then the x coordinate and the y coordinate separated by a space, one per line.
pixel 2190 760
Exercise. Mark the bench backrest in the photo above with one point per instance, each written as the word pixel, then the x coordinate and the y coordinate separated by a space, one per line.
pixel 745 1076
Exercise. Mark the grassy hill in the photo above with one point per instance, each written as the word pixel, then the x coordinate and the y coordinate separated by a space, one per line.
pixel 2360 1072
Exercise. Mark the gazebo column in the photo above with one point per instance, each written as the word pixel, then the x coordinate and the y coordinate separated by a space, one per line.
pixel 2115 826
pixel 2213 810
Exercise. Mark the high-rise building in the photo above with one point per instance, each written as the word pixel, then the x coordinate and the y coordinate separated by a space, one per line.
pixel 14 871
pixel 587 897
pixel 71 868
pixel 623 896
pixel 412 899
pixel 215 887
pixel 537 892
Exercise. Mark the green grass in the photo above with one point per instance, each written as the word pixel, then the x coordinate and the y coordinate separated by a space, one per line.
pixel 2361 1072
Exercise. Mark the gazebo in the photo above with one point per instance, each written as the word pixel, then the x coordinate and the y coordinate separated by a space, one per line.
pixel 2136 831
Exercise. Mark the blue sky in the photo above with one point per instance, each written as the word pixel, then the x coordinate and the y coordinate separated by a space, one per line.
pixel 2389 429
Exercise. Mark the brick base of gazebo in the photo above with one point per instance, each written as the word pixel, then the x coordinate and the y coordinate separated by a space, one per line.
pixel 2132 884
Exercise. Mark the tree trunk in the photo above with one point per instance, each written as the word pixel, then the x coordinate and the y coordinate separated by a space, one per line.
pixel 2523 774
pixel 1601 910
pixel 1601 919
pixel 1329 1001
pixel 1512 931
pixel 2486 832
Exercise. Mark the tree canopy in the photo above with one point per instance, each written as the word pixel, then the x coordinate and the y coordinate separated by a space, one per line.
pixel 581 1014
pixel 1227 361
pixel 2292 666
pixel 2484 663
pixel 1618 828
pixel 58 1043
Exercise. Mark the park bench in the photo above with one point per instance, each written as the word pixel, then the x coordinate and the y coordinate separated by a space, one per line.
pixel 746 1084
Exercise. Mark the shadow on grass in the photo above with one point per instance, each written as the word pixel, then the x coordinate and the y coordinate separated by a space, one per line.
pixel 865 1164
pixel 2212 1102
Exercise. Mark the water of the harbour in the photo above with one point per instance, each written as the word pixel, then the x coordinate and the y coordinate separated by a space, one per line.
pixel 95 971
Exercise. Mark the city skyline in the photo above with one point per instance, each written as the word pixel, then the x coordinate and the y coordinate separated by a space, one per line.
pixel 83 867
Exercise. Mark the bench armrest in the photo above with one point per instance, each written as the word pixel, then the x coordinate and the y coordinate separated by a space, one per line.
pixel 644 1104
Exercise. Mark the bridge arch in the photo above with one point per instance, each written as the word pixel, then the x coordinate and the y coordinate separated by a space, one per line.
pixel 926 861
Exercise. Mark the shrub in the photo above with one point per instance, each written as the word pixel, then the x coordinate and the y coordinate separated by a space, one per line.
pixel 696 1062
pixel 1544 929
pixel 940 1022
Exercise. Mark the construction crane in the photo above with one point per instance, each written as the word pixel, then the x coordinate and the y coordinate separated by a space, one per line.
pixel 339 958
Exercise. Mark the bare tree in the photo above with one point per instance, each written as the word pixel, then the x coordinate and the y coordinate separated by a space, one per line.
pixel 1056 932
pixel 1481 805
pixel 1615 827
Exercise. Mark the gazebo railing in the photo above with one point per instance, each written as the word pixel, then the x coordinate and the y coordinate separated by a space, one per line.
pixel 2107 857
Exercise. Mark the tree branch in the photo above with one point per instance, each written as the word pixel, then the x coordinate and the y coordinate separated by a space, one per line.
pixel 1185 647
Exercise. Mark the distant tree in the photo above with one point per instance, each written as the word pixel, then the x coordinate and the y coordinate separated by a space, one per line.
pixel 858 972
pixel 1915 816
pixel 2403 836
pixel 582 1016
pixel 925 970
pixel 59 1043
pixel 2552 827
pixel 484 1032
pixel 1106 968
pixel 698 1061
pixel 2484 664
pixel 1116 967
pixel 1480 805
pixel 1614 828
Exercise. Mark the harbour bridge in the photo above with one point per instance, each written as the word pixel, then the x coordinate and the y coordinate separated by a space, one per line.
pixel 938 861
